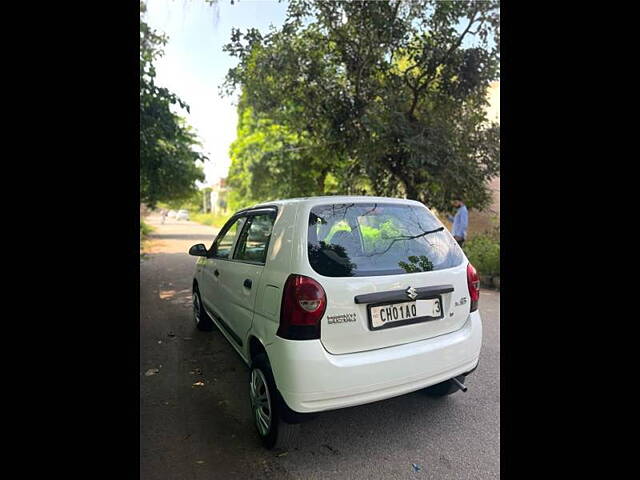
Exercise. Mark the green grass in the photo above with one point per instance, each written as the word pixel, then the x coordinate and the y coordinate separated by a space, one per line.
pixel 145 230
pixel 209 219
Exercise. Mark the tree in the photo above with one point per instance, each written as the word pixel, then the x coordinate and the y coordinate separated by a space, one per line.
pixel 387 95
pixel 270 160
pixel 168 161
pixel 192 202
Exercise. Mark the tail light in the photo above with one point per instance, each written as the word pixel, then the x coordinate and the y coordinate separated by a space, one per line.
pixel 474 286
pixel 303 304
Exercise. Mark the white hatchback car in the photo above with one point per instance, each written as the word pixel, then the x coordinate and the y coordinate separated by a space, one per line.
pixel 339 301
pixel 182 215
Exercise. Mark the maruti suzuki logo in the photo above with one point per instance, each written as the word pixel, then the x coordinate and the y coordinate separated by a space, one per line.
pixel 411 293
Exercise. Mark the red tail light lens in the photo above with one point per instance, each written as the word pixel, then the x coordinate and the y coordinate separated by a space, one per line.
pixel 303 304
pixel 474 286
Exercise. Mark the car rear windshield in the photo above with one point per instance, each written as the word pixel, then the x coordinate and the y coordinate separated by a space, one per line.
pixel 370 239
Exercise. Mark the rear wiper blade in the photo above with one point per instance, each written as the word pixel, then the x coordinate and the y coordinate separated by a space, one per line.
pixel 408 237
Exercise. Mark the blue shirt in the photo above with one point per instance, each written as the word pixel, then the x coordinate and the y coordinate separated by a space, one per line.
pixel 460 222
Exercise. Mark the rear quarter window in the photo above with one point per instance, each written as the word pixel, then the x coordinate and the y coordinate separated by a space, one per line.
pixel 371 239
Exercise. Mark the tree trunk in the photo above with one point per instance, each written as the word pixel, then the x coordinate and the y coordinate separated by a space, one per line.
pixel 393 165
pixel 410 190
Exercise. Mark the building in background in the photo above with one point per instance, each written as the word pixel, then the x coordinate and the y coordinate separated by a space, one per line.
pixel 493 112
pixel 218 197
pixel 490 217
pixel 494 115
pixel 494 185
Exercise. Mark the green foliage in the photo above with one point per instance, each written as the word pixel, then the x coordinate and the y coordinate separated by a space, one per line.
pixel 193 202
pixel 417 264
pixel 378 239
pixel 382 97
pixel 483 251
pixel 337 227
pixel 270 160
pixel 370 237
pixel 168 162
pixel 389 230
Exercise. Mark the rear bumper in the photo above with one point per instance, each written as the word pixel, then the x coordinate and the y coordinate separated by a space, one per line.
pixel 312 380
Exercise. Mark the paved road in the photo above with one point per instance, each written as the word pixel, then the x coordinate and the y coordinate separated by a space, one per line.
pixel 198 432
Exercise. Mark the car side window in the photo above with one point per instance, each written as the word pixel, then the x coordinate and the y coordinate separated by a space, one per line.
pixel 254 241
pixel 224 243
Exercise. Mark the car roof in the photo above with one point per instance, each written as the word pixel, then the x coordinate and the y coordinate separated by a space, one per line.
pixel 329 199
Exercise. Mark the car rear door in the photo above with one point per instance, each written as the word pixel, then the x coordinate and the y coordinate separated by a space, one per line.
pixel 349 326
pixel 392 275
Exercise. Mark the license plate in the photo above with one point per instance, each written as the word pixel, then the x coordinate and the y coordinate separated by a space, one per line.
pixel 394 314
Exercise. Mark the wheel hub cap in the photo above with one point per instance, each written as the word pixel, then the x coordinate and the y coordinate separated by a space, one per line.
pixel 260 401
pixel 196 308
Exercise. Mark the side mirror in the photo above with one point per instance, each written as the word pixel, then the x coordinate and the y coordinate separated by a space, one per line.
pixel 198 250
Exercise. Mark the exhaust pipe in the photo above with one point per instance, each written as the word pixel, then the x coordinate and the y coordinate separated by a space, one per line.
pixel 459 384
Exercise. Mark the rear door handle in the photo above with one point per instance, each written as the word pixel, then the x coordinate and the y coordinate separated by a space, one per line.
pixel 216 272
pixel 248 283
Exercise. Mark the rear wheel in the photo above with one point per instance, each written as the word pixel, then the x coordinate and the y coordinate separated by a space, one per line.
pixel 444 388
pixel 267 409
pixel 203 322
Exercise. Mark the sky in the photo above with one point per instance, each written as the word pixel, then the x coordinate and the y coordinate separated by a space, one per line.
pixel 194 65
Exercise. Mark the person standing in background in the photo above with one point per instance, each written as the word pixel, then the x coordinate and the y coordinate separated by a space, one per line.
pixel 460 221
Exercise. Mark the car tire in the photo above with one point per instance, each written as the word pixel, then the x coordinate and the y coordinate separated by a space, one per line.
pixel 203 322
pixel 444 388
pixel 267 409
